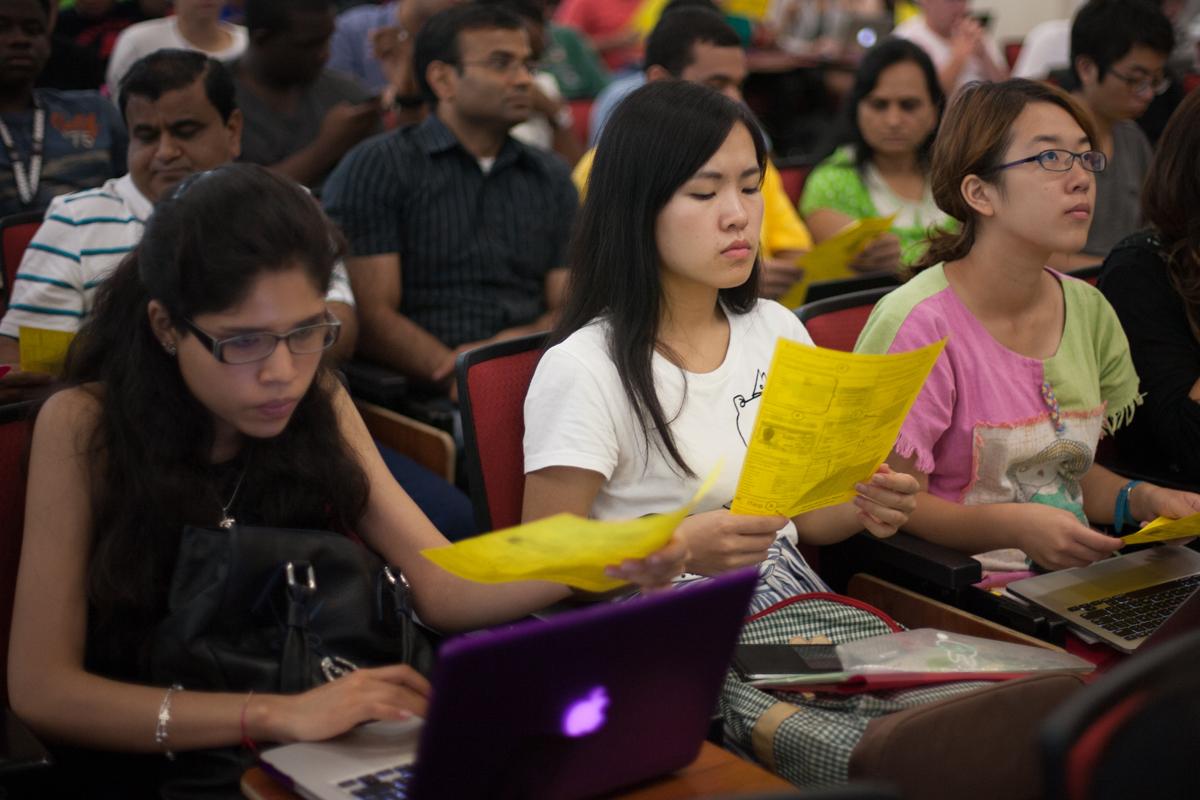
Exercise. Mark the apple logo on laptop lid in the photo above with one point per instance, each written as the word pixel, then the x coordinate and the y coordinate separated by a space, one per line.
pixel 586 715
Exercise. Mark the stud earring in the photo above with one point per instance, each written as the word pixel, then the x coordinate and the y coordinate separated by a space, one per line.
pixel 169 347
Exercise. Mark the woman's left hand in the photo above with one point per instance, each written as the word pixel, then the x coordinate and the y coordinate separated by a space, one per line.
pixel 1147 502
pixel 885 503
pixel 656 570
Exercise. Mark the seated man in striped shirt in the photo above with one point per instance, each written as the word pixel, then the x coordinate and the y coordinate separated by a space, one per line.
pixel 182 117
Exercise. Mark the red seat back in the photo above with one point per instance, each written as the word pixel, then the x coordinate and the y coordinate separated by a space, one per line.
pixel 581 114
pixel 1131 733
pixel 793 181
pixel 1012 51
pixel 14 443
pixel 1090 274
pixel 16 232
pixel 492 382
pixel 836 321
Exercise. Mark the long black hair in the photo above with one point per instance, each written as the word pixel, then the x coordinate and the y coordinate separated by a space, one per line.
pixel 657 139
pixel 151 450
pixel 1171 203
pixel 892 50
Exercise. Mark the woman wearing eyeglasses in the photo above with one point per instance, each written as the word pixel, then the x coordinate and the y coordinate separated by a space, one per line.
pixel 1003 435
pixel 196 396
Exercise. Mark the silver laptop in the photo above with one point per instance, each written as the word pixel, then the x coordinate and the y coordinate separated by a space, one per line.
pixel 1123 600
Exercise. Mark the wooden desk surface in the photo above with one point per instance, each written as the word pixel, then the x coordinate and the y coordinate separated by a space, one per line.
pixel 715 771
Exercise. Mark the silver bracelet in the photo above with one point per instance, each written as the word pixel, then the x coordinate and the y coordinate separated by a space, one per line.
pixel 164 717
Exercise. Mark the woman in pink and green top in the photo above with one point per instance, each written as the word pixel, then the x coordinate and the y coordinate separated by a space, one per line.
pixel 1002 437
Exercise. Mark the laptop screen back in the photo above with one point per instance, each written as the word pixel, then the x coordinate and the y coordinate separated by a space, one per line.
pixel 583 703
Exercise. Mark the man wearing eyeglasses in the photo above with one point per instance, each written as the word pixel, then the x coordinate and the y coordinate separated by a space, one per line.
pixel 181 111
pixel 457 231
pixel 1119 51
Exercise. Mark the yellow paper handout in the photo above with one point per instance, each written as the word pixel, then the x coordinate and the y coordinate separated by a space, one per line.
pixel 43 350
pixel 646 16
pixel 827 420
pixel 750 9
pixel 1164 530
pixel 831 258
pixel 563 548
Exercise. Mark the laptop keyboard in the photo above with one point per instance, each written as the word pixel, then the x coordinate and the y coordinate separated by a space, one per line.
pixel 1133 615
pixel 386 784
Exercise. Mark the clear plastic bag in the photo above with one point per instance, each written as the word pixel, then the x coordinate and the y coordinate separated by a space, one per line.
pixel 926 650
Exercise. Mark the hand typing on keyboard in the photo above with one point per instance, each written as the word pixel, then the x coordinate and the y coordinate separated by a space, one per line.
pixel 390 693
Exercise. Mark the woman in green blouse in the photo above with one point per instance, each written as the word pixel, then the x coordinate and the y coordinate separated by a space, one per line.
pixel 883 166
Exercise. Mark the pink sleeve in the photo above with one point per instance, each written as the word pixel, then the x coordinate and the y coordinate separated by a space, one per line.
pixel 933 410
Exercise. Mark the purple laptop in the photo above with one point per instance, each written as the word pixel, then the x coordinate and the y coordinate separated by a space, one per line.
pixel 587 702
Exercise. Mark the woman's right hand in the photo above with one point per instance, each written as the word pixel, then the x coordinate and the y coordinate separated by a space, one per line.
pixel 1056 539
pixel 394 692
pixel 720 540
pixel 881 255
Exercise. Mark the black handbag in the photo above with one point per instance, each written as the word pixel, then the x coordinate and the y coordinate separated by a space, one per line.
pixel 281 610
pixel 272 610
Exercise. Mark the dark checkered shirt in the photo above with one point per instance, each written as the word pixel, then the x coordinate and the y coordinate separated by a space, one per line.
pixel 474 248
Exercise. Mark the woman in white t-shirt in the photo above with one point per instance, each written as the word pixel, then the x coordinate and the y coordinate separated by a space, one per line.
pixel 660 358
pixel 196 25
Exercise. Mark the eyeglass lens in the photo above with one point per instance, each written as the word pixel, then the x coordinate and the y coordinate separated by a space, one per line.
pixel 257 346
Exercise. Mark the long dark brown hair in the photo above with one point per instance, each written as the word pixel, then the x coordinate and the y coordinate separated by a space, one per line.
pixel 1171 203
pixel 151 450
pixel 973 137
pixel 656 141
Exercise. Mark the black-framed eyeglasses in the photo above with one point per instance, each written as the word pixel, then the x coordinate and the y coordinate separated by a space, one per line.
pixel 504 64
pixel 1140 84
pixel 246 348
pixel 1063 160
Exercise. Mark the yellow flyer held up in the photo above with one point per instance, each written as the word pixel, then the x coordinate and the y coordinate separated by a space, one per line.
pixel 1164 530
pixel 831 258
pixel 827 420
pixel 563 548
pixel 43 350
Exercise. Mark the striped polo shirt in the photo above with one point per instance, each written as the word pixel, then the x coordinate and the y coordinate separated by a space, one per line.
pixel 82 239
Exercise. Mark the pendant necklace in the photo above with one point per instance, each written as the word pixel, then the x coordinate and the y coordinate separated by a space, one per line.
pixel 227 521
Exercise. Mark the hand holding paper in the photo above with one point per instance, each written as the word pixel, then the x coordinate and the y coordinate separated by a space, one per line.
pixel 1164 530
pixel 563 548
pixel 43 350
pixel 827 420
pixel 832 257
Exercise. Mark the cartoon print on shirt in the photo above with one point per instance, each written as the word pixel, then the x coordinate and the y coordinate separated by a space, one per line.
pixel 740 401
pixel 1051 477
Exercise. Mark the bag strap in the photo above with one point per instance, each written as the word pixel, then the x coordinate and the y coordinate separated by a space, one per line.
pixel 295 659
pixel 831 598
pixel 762 735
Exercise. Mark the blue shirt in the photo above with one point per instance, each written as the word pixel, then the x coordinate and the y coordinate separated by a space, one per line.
pixel 350 47
pixel 607 101
pixel 85 146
